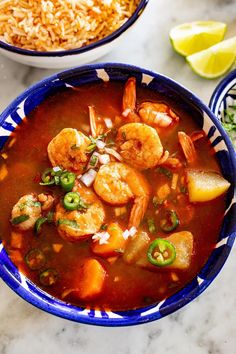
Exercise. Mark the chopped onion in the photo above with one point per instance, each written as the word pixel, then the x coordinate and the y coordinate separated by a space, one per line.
pixel 126 112
pixel 102 237
pixel 104 159
pixel 100 144
pixel 108 122
pixel 126 234
pixel 132 231
pixel 56 169
pixel 113 153
pixel 89 177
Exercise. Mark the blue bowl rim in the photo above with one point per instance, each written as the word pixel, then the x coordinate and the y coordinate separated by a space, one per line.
pixel 216 96
pixel 61 53
pixel 116 322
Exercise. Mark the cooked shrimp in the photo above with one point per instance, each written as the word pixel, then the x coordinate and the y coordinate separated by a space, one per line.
pixel 29 208
pixel 129 101
pixel 96 125
pixel 117 183
pixel 139 145
pixel 46 200
pixel 76 225
pixel 187 147
pixel 158 115
pixel 68 150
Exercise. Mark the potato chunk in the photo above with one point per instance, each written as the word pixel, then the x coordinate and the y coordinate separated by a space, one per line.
pixel 183 243
pixel 136 247
pixel 204 186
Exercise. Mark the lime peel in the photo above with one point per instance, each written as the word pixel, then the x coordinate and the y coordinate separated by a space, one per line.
pixel 190 38
pixel 214 61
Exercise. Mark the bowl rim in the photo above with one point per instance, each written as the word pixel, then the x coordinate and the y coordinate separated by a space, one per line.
pixel 221 91
pixel 61 53
pixel 131 317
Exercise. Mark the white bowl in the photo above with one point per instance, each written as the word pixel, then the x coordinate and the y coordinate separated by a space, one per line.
pixel 69 58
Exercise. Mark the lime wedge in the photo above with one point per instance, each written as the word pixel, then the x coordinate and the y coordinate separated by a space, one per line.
pixel 190 38
pixel 214 61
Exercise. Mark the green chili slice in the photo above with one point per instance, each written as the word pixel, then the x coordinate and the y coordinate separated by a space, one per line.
pixel 39 222
pixel 35 259
pixel 67 181
pixel 161 252
pixel 19 219
pixel 170 221
pixel 48 177
pixel 48 277
pixel 71 201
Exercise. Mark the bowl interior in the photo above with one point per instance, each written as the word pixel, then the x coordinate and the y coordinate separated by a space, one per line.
pixel 61 53
pixel 32 97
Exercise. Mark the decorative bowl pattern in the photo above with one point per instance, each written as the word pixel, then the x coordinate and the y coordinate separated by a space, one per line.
pixel 31 98
pixel 224 95
pixel 78 56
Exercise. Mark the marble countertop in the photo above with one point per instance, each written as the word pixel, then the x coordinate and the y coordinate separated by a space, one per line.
pixel 207 325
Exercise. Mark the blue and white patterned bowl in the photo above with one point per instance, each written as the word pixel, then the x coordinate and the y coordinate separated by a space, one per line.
pixel 223 98
pixel 77 56
pixel 31 98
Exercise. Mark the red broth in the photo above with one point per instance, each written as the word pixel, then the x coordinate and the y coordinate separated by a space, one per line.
pixel 126 286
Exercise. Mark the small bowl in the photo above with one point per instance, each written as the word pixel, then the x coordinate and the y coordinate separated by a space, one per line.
pixel 224 95
pixel 225 154
pixel 77 56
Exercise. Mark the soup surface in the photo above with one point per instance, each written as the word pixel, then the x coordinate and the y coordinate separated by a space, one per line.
pixel 140 173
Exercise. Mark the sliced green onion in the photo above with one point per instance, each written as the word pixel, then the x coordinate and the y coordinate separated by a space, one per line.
pixel 93 161
pixel 71 223
pixel 151 225
pixel 39 222
pixel 82 205
pixel 50 216
pixel 164 171
pixel 157 202
pixel 104 227
pixel 19 219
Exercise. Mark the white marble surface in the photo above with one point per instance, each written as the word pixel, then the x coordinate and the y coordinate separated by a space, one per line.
pixel 207 325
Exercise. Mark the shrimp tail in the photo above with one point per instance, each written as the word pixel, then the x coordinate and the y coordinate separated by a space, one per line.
pixel 129 101
pixel 138 210
pixel 187 147
pixel 95 127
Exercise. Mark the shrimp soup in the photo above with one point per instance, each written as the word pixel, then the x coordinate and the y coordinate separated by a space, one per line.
pixel 111 196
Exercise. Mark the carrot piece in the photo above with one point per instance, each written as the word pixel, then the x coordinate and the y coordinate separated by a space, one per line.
pixel 16 239
pixel 3 172
pixel 115 242
pixel 92 280
pixel 57 247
